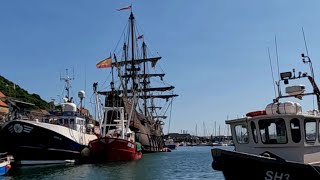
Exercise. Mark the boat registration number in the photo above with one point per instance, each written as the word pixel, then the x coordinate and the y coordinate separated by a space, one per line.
pixel 274 175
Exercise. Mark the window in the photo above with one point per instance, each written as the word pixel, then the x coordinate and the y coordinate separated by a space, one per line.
pixel 310 130
pixel 241 134
pixel 273 131
pixel 254 132
pixel 60 121
pixel 295 130
pixel 71 123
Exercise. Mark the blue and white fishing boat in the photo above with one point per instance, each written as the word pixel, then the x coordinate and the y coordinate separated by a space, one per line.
pixel 56 139
pixel 5 163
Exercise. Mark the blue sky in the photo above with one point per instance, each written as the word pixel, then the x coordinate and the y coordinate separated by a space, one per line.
pixel 213 52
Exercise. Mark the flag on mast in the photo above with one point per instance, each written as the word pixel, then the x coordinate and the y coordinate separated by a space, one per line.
pixel 140 37
pixel 106 63
pixel 124 8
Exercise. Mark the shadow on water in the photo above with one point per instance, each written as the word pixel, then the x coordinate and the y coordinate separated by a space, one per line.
pixel 37 172
pixel 190 163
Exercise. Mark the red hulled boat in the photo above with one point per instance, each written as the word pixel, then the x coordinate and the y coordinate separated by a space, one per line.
pixel 116 141
pixel 107 149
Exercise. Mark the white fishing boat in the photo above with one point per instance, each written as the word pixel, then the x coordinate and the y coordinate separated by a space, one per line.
pixel 278 142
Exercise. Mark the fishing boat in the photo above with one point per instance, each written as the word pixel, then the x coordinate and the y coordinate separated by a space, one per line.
pixel 280 141
pixel 169 143
pixel 116 141
pixel 5 163
pixel 138 73
pixel 57 138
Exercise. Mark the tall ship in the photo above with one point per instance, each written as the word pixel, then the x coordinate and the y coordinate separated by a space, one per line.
pixel 138 86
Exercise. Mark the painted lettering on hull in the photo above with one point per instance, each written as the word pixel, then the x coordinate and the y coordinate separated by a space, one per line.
pixel 271 175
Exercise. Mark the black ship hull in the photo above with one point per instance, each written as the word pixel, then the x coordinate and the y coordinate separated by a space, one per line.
pixel 32 144
pixel 236 165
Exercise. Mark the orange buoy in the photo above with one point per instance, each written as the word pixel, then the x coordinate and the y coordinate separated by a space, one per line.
pixel 256 113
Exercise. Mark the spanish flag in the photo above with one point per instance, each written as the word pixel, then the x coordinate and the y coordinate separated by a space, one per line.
pixel 106 63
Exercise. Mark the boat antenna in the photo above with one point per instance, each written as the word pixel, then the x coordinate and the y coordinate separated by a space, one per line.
pixel 273 81
pixel 275 41
pixel 308 57
pixel 305 42
pixel 67 80
pixel 304 57
pixel 85 83
pixel 278 84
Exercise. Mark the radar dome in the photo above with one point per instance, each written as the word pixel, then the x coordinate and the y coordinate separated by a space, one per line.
pixel 81 94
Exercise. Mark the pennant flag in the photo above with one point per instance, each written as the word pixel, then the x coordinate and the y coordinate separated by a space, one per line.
pixel 106 63
pixel 140 37
pixel 124 8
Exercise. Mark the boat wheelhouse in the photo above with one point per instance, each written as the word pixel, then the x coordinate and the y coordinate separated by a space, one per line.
pixel 294 137
pixel 279 142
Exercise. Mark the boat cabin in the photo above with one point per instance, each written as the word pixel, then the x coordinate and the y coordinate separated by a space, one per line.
pixel 282 128
pixel 294 137
pixel 69 118
pixel 115 125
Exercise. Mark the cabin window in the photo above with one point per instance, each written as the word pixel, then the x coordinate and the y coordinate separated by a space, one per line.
pixel 295 130
pixel 241 134
pixel 310 130
pixel 71 123
pixel 60 121
pixel 254 132
pixel 273 131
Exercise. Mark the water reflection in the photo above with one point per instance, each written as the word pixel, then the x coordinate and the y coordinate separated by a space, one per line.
pixel 183 163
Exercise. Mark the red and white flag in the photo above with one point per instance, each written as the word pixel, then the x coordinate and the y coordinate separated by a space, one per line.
pixel 124 8
pixel 106 63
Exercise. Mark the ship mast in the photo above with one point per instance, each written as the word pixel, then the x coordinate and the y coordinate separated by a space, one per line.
pixel 141 78
pixel 133 67
pixel 144 78
pixel 67 80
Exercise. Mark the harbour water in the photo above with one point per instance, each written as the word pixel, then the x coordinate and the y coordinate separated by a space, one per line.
pixel 183 163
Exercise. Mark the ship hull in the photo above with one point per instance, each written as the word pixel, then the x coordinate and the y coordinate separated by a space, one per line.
pixel 106 149
pixel 171 146
pixel 150 143
pixel 235 165
pixel 32 143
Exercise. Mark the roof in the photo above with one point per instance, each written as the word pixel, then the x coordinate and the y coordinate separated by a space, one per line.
pixel 2 104
pixel 2 95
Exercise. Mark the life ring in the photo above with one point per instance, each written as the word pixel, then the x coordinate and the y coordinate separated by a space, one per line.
pixel 256 113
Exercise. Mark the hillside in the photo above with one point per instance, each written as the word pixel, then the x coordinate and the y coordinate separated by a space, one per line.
pixel 13 90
